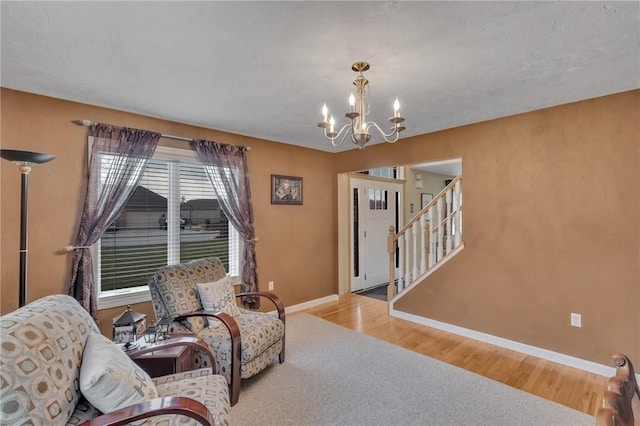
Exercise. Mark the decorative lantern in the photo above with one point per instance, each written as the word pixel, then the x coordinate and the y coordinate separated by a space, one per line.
pixel 128 327
pixel 163 327
pixel 152 334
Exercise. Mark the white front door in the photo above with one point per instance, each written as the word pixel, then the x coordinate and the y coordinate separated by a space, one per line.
pixel 374 205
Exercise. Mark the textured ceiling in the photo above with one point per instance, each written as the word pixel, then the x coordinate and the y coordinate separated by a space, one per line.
pixel 264 69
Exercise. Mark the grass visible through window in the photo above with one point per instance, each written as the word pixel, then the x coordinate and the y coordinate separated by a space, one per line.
pixel 132 265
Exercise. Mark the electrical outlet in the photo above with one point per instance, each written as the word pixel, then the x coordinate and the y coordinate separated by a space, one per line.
pixel 270 285
pixel 576 320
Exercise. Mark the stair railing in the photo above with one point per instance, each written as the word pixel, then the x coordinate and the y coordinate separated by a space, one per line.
pixel 427 239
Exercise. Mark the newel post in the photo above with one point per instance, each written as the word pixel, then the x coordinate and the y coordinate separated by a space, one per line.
pixel 391 249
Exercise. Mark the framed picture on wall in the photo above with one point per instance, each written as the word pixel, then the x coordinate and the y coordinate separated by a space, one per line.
pixel 286 190
pixel 425 199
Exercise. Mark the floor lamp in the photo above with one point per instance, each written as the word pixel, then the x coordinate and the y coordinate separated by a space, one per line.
pixel 24 160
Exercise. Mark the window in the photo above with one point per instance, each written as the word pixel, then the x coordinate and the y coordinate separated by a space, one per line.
pixel 378 199
pixel 383 172
pixel 172 217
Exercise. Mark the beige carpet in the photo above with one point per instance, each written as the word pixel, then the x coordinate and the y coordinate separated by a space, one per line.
pixel 336 376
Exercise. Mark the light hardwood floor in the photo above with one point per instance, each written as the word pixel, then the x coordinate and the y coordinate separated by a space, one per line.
pixel 568 386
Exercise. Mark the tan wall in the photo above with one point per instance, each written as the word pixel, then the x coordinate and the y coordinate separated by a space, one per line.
pixel 297 247
pixel 552 217
pixel 432 183
pixel 551 222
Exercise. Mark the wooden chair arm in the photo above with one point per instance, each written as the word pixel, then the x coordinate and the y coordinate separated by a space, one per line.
pixel 605 417
pixel 155 407
pixel 193 342
pixel 617 400
pixel 234 331
pixel 272 297
pixel 624 369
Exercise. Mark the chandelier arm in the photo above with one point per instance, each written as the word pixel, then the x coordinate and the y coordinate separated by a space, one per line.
pixel 387 137
pixel 342 132
pixel 344 136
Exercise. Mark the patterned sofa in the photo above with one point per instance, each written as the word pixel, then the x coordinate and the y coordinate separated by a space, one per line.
pixel 48 356
pixel 244 342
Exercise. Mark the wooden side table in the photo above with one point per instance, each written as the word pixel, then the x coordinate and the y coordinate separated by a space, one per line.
pixel 166 361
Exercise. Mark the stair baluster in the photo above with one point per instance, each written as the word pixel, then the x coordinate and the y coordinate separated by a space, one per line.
pixel 427 240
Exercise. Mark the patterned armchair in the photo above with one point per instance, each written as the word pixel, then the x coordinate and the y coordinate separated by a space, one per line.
pixel 57 369
pixel 200 300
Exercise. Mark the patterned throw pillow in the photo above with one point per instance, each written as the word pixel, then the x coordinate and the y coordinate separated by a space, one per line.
pixel 219 296
pixel 109 379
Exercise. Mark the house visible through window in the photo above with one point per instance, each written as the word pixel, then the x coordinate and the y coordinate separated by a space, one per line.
pixel 172 217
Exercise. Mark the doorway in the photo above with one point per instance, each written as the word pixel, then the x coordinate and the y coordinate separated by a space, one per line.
pixel 375 205
pixel 409 188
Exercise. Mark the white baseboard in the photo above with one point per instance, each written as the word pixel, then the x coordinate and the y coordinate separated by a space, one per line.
pixel 311 303
pixel 557 357
pixel 570 361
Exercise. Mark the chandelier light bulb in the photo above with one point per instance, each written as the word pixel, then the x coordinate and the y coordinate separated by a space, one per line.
pixel 352 103
pixel 396 108
pixel 332 123
pixel 325 111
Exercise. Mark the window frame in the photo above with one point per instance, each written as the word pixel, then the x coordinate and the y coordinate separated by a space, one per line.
pixel 131 295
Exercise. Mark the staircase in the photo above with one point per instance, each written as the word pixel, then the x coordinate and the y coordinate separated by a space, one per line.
pixel 427 241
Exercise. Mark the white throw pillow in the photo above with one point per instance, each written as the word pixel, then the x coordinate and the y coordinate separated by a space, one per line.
pixel 219 296
pixel 109 379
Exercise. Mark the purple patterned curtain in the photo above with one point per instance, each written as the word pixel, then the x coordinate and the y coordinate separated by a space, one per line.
pixel 118 159
pixel 226 166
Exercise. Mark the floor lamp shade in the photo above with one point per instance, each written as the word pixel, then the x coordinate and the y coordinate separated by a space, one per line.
pixel 25 160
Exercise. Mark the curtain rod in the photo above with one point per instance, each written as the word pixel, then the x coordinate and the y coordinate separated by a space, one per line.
pixel 89 123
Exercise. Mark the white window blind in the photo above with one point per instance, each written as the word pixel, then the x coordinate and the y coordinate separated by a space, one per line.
pixel 172 217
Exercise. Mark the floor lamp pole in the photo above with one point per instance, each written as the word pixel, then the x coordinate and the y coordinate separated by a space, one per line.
pixel 24 223
pixel 25 160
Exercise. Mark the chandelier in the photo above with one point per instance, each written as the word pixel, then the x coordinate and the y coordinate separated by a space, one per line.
pixel 358 128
